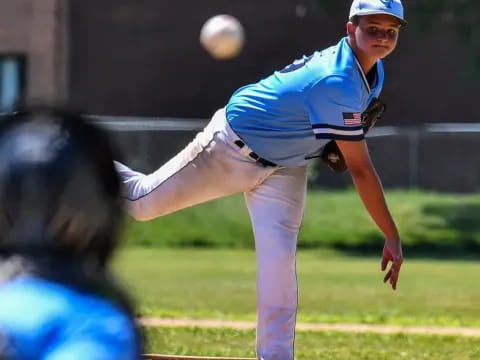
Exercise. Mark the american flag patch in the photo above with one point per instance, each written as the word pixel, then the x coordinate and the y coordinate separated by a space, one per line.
pixel 352 118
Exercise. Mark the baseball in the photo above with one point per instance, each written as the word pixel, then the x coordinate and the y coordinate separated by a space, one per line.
pixel 222 36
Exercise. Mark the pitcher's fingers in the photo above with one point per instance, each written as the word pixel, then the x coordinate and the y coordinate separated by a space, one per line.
pixel 394 278
pixel 397 264
pixel 387 276
pixel 384 263
pixel 393 281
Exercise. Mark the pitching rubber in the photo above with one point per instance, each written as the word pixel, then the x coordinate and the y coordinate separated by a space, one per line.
pixel 173 357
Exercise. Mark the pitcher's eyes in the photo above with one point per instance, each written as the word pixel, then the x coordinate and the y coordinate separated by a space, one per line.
pixel 376 32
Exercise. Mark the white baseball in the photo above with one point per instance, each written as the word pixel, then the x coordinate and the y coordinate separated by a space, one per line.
pixel 222 36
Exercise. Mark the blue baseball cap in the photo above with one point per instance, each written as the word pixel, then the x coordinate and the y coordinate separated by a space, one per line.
pixel 371 7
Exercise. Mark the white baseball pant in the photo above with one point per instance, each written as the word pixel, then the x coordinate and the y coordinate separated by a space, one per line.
pixel 213 166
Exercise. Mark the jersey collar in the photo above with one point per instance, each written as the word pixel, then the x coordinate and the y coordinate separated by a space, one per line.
pixel 362 74
pixel 360 70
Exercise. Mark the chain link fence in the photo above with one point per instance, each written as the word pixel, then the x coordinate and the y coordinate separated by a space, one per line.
pixel 438 157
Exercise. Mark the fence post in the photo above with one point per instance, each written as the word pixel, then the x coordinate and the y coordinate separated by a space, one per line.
pixel 413 155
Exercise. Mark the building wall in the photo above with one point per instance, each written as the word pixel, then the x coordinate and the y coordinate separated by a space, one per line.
pixel 37 29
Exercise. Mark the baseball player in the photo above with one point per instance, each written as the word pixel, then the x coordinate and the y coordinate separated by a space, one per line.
pixel 260 144
pixel 59 218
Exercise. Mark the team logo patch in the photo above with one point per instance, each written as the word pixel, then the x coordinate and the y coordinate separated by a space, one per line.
pixel 388 3
pixel 352 118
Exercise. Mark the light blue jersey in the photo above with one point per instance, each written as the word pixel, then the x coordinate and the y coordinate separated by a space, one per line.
pixel 289 116
pixel 42 320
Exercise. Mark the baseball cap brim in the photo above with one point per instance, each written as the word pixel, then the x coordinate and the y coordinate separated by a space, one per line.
pixel 374 12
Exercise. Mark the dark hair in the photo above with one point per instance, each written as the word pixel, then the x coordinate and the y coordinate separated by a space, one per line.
pixel 59 190
pixel 355 20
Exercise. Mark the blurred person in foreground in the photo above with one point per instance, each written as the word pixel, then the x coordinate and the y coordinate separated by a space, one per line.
pixel 260 144
pixel 59 227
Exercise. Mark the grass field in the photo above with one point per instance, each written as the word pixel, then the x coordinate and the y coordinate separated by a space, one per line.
pixel 315 346
pixel 334 288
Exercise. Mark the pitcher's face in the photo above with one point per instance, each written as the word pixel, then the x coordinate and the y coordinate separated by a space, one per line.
pixel 374 36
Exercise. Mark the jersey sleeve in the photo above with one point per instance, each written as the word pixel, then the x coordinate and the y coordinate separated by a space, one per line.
pixel 334 107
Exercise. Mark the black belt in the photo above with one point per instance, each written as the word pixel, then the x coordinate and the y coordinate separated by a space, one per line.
pixel 255 156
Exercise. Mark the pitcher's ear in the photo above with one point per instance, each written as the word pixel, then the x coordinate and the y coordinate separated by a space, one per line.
pixel 350 28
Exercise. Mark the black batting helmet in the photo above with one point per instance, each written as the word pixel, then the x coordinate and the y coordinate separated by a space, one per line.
pixel 59 190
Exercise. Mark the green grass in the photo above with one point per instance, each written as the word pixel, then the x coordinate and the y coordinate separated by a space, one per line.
pixel 429 223
pixel 199 263
pixel 220 283
pixel 314 345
